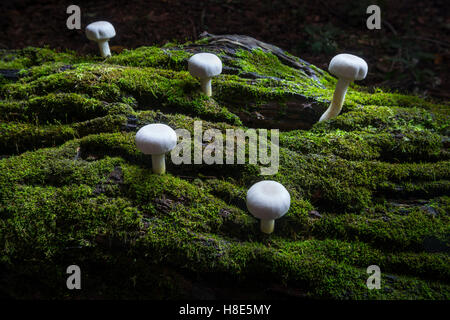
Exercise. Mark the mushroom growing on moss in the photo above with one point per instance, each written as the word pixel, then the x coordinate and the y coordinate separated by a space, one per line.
pixel 156 139
pixel 347 68
pixel 268 200
pixel 205 66
pixel 101 32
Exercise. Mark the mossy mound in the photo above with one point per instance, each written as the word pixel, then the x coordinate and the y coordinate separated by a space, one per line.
pixel 370 187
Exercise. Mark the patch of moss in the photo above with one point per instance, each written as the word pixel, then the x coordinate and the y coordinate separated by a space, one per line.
pixel 388 231
pixel 18 136
pixel 393 99
pixel 352 185
pixel 152 88
pixel 31 56
pixel 390 145
pixel 266 64
pixel 152 57
pixel 368 187
pixel 376 117
pixel 58 107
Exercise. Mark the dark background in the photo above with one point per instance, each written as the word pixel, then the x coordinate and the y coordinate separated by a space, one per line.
pixel 410 53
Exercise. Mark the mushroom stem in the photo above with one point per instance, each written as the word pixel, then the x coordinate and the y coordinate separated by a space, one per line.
pixel 206 86
pixel 267 226
pixel 159 163
pixel 338 99
pixel 104 48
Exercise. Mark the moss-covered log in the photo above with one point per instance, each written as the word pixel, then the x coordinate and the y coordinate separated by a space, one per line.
pixel 368 187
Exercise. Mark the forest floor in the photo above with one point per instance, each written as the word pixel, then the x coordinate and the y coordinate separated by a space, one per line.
pixel 409 53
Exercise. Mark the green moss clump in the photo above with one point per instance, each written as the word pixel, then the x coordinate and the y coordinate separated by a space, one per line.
pixel 152 57
pixel 412 145
pixel 151 88
pixel 30 56
pixel 368 187
pixel 266 64
pixel 59 107
pixel 18 136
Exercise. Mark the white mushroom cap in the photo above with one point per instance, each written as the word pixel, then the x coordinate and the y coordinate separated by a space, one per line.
pixel 348 66
pixel 268 200
pixel 156 139
pixel 100 30
pixel 204 65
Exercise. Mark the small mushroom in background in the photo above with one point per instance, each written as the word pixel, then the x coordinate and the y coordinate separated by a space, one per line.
pixel 156 139
pixel 347 68
pixel 268 200
pixel 101 32
pixel 205 66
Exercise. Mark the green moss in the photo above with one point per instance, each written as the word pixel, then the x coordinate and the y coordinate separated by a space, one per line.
pixel 57 219
pixel 152 57
pixel 368 187
pixel 18 136
pixel 394 99
pixel 266 64
pixel 411 145
pixel 30 56
pixel 375 117
pixel 388 231
pixel 152 89
pixel 353 185
pixel 57 107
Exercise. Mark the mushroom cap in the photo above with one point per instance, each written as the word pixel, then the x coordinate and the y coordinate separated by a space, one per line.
pixel 204 65
pixel 268 200
pixel 348 66
pixel 156 138
pixel 100 30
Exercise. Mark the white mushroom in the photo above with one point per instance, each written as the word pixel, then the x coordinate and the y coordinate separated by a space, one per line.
pixel 101 32
pixel 205 66
pixel 268 200
pixel 347 68
pixel 156 139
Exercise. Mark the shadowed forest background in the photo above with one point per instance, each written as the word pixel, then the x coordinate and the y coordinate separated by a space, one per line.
pixel 410 53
